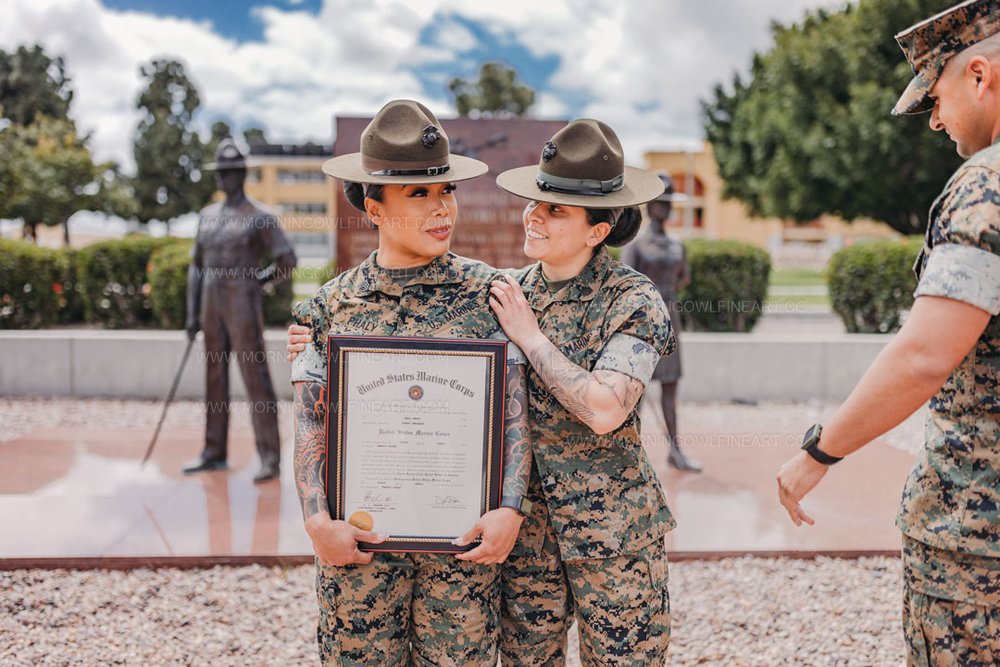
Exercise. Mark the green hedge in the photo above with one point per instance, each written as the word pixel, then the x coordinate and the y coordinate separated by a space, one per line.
pixel 74 302
pixel 168 268
pixel 728 285
pixel 114 278
pixel 31 285
pixel 872 283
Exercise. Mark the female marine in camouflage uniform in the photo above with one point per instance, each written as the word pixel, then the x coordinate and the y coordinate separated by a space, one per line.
pixel 391 609
pixel 593 330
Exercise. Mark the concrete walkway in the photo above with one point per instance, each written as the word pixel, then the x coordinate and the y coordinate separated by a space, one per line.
pixel 73 487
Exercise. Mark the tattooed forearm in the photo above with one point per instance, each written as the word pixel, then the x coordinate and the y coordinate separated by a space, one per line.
pixel 517 446
pixel 567 381
pixel 626 390
pixel 602 400
pixel 310 446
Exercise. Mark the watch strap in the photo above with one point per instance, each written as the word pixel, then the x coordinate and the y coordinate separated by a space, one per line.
pixel 519 504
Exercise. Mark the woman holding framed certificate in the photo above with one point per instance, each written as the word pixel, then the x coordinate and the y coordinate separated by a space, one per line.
pixel 593 330
pixel 379 607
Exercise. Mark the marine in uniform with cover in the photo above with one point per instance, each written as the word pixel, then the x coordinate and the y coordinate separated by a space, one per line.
pixel 593 330
pixel 225 278
pixel 414 608
pixel 947 352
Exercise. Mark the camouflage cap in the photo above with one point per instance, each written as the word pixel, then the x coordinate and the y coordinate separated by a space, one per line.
pixel 929 44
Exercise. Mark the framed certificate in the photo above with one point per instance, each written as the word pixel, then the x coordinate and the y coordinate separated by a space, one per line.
pixel 414 436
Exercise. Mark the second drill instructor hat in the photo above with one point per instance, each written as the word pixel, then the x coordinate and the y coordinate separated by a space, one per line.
pixel 929 44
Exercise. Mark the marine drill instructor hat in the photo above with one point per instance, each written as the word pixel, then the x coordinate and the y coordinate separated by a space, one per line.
pixel 583 165
pixel 227 156
pixel 929 44
pixel 404 144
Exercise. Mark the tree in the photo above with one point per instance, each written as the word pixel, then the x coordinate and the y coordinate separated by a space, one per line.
pixel 811 134
pixel 32 83
pixel 496 94
pixel 254 136
pixel 168 151
pixel 47 174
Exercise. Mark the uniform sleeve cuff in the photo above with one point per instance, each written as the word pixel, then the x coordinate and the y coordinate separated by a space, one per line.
pixel 309 366
pixel 629 355
pixel 514 354
pixel 963 273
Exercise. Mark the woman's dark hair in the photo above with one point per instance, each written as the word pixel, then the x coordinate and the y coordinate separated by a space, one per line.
pixel 357 193
pixel 622 232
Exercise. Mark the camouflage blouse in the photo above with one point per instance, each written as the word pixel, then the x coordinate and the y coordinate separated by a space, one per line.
pixel 604 498
pixel 952 497
pixel 448 298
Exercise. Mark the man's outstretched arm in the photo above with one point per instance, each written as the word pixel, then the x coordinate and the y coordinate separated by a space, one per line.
pixel 937 336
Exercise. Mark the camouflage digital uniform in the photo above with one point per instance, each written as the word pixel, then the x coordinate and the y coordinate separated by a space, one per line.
pixel 423 609
pixel 950 515
pixel 594 540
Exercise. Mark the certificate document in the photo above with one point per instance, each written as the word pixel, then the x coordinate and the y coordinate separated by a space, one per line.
pixel 414 436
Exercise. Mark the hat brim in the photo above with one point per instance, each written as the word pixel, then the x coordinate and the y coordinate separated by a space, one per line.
pixel 222 166
pixel 348 167
pixel 640 187
pixel 915 99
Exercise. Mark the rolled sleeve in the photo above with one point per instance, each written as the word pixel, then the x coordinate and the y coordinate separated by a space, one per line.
pixel 964 273
pixel 629 355
pixel 514 354
pixel 309 366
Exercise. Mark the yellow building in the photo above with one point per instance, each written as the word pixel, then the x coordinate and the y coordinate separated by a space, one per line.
pixel 705 214
pixel 289 179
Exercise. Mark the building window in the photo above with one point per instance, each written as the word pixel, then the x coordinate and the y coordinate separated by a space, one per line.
pixel 690 212
pixel 253 176
pixel 302 207
pixel 297 176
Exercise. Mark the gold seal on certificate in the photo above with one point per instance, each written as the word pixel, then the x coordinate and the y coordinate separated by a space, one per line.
pixel 414 436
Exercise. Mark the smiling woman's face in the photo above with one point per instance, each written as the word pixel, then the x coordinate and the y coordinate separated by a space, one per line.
pixel 557 234
pixel 415 221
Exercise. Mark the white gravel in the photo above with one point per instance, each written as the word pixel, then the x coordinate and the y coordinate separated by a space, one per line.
pixel 732 613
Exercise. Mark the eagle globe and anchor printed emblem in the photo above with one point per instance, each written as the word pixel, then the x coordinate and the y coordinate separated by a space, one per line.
pixel 416 392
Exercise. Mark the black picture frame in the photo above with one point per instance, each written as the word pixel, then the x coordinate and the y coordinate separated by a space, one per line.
pixel 340 348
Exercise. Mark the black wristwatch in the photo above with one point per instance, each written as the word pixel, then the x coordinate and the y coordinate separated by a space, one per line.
pixel 519 504
pixel 810 443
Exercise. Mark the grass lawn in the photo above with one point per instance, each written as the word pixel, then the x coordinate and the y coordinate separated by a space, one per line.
pixel 796 278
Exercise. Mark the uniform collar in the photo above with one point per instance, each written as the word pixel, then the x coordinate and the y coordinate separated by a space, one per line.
pixel 581 288
pixel 372 278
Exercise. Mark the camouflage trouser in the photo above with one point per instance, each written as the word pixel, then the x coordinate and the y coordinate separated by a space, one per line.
pixel 536 602
pixel 409 609
pixel 621 603
pixel 942 632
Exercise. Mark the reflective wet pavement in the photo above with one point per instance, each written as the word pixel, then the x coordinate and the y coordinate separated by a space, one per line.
pixel 80 493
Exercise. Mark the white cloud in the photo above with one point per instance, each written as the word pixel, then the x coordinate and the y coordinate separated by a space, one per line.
pixel 641 66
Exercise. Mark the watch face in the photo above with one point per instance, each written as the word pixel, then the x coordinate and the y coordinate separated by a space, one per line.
pixel 811 436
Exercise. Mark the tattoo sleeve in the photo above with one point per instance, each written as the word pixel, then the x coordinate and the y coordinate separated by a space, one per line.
pixel 517 444
pixel 593 398
pixel 310 446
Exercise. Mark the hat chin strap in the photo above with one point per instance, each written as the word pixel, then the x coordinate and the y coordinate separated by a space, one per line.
pixel 578 186
pixel 616 215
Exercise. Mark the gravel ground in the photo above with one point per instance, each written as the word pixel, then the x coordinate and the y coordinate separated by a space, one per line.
pixel 731 613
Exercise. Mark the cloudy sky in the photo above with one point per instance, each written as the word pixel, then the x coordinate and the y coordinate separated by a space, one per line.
pixel 290 66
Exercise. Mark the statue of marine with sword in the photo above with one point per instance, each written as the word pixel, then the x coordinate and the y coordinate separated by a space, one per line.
pixel 225 278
